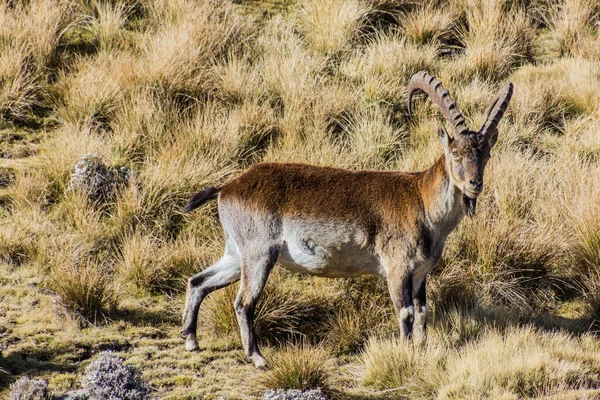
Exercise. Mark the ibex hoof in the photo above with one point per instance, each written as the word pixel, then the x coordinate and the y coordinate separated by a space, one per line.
pixel 259 361
pixel 191 344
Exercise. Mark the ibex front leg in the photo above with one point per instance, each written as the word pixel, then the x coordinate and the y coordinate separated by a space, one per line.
pixel 400 285
pixel 420 303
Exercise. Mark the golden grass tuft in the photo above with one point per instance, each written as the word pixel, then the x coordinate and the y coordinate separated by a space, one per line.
pixel 141 262
pixel 85 288
pixel 429 23
pixel 31 34
pixel 330 26
pixel 571 29
pixel 398 364
pixel 494 42
pixel 297 367
pixel 522 362
pixel 387 64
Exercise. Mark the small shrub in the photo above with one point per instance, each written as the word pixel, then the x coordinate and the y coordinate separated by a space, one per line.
pixel 29 389
pixel 297 367
pixel 107 378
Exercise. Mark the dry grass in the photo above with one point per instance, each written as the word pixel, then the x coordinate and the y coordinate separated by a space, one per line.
pixel 189 94
pixel 330 26
pixel 516 364
pixel 297 367
pixel 85 288
pixel 283 312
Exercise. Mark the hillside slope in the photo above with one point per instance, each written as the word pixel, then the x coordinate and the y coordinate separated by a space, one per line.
pixel 169 97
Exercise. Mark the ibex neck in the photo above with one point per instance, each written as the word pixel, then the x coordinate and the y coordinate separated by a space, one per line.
pixel 441 198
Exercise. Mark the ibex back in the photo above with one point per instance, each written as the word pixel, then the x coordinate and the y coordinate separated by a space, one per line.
pixel 337 223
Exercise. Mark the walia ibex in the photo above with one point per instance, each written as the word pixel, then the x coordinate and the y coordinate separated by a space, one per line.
pixel 336 223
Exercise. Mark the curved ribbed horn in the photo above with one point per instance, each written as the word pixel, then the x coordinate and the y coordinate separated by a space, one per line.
pixel 496 110
pixel 433 87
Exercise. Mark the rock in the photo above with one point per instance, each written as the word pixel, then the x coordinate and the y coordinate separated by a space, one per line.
pixel 99 182
pixel 7 177
pixel 81 394
pixel 29 389
pixel 294 394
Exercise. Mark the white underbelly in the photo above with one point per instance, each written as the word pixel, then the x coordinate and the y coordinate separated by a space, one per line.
pixel 327 249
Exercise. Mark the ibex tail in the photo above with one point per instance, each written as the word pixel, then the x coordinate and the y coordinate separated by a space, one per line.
pixel 200 198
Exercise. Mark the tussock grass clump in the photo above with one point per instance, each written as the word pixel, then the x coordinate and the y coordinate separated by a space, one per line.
pixel 179 55
pixel 142 262
pixel 329 26
pixel 31 33
pixel 85 288
pixel 109 76
pixel 17 244
pixel 571 28
pixel 551 95
pixel 520 363
pixel 387 64
pixel 362 308
pixel 109 25
pixel 396 363
pixel 494 41
pixel 297 367
pixel 429 23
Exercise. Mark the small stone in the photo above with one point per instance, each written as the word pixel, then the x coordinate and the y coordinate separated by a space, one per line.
pixel 99 182
pixel 7 177
pixel 294 394
pixel 80 394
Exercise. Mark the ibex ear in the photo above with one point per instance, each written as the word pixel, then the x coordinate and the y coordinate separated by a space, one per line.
pixel 492 138
pixel 445 138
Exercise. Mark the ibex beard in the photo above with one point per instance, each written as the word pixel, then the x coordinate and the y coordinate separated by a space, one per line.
pixel 337 223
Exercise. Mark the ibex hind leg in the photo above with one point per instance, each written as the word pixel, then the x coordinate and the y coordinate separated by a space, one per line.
pixel 255 271
pixel 219 275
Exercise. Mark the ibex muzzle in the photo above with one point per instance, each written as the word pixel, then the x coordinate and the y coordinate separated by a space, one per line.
pixel 336 223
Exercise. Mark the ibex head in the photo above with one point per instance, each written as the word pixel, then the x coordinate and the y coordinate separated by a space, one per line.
pixel 468 151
